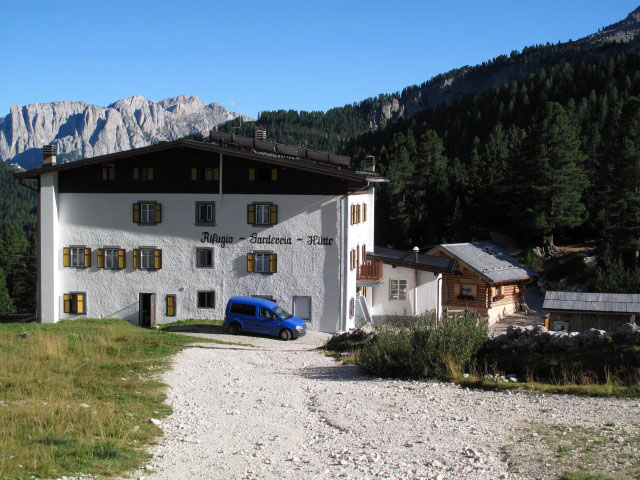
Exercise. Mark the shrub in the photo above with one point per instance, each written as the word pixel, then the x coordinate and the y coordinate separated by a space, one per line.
pixel 424 349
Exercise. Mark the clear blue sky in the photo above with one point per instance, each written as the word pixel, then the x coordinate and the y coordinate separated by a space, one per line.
pixel 252 56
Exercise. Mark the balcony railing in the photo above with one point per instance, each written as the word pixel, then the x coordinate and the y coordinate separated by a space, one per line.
pixel 370 272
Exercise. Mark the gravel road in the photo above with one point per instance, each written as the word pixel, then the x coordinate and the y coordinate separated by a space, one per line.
pixel 282 411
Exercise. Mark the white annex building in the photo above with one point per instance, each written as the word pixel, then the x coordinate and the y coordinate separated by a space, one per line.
pixel 171 231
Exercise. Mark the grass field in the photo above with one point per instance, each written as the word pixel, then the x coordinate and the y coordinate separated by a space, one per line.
pixel 78 396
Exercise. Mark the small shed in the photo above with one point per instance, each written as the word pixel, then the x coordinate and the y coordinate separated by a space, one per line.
pixel 579 311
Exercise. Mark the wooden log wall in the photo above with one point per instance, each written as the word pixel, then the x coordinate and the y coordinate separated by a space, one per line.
pixel 581 321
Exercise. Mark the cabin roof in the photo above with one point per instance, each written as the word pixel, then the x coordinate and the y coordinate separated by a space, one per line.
pixel 403 258
pixel 488 261
pixel 308 163
pixel 592 302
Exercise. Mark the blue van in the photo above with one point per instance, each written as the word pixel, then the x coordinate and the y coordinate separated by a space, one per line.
pixel 258 315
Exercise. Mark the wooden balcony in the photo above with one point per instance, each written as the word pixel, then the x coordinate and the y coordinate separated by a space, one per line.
pixel 370 272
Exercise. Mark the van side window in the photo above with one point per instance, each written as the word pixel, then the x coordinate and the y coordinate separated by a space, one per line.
pixel 243 309
pixel 266 313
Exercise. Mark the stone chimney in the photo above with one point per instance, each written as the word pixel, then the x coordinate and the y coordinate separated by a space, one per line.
pixel 370 163
pixel 49 155
pixel 261 135
pixel 416 250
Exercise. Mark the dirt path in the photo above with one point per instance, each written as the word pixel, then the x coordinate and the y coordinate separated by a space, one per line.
pixel 270 413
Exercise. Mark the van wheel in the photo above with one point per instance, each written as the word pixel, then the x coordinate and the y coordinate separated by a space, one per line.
pixel 235 329
pixel 285 334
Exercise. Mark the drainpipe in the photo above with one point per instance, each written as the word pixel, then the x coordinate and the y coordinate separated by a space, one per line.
pixel 415 276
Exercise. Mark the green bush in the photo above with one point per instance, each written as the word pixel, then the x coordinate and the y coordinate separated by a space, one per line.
pixel 424 349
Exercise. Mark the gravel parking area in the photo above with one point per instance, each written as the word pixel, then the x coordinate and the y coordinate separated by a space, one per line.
pixel 282 411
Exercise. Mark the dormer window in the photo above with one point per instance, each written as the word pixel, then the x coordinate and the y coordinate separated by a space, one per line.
pixel 108 172
pixel 205 174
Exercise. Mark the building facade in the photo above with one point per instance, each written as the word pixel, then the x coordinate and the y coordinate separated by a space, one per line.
pixel 171 231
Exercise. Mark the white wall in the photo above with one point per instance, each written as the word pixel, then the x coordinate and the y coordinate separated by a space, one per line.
pixel 426 293
pixel 49 282
pixel 99 220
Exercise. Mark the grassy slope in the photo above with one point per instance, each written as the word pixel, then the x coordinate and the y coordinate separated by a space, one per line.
pixel 49 373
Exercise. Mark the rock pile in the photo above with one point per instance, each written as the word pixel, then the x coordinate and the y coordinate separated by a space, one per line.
pixel 538 338
pixel 354 335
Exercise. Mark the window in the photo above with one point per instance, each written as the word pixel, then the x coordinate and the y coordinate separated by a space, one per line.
pixel 243 309
pixel 143 173
pixel 263 174
pixel 467 291
pixel 205 174
pixel 171 305
pixel 262 214
pixel 355 214
pixel 205 213
pixel 78 257
pixel 397 289
pixel 108 172
pixel 147 258
pixel 262 262
pixel 204 257
pixel 76 303
pixel 147 213
pixel 206 299
pixel 112 257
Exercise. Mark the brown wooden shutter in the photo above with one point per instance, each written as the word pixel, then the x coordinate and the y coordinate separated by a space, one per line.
pixel 353 217
pixel 158 213
pixel 251 262
pixel 273 217
pixel 136 213
pixel 67 303
pixel 87 257
pixel 66 256
pixel 364 253
pixel 150 173
pixel 251 214
pixel 101 258
pixel 136 173
pixel 81 304
pixel 157 260
pixel 105 173
pixel 273 263
pixel 274 174
pixel 216 174
pixel 136 258
pixel 252 174
pixel 122 258
pixel 112 173
pixel 357 213
pixel 194 176
pixel 456 289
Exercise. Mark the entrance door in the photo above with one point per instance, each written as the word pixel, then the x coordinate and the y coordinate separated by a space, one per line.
pixel 147 309
pixel 302 308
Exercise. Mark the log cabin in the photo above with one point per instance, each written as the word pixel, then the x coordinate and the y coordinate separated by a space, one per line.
pixel 487 280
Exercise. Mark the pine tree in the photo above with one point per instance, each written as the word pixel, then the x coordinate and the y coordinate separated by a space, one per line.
pixel 6 305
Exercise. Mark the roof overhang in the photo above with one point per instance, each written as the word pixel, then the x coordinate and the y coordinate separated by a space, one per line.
pixel 272 159
pixel 416 266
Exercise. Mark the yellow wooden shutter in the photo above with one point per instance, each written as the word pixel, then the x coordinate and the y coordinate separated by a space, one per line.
pixel 216 174
pixel 150 173
pixel 273 214
pixel 251 262
pixel 273 263
pixel 105 173
pixel 353 217
pixel 101 258
pixel 194 175
pixel 136 173
pixel 171 305
pixel 274 174
pixel 252 174
pixel 66 256
pixel 67 303
pixel 136 258
pixel 136 213
pixel 158 213
pixel 87 257
pixel 251 214
pixel 122 259
pixel 80 303
pixel 157 260
pixel 364 212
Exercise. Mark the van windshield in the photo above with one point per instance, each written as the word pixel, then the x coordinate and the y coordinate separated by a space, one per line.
pixel 282 312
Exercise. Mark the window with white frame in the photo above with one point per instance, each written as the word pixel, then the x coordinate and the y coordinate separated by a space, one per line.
pixel 77 256
pixel 204 257
pixel 147 212
pixel 262 262
pixel 111 258
pixel 147 258
pixel 397 289
pixel 263 214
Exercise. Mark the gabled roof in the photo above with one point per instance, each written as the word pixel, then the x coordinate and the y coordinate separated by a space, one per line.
pixel 592 302
pixel 488 261
pixel 306 164
pixel 402 258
